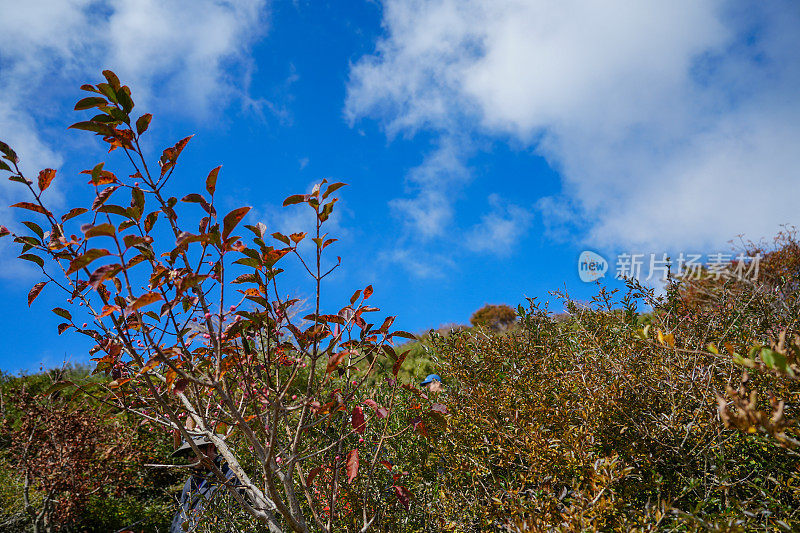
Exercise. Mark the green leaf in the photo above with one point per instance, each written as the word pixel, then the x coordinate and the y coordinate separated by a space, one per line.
pixel 331 188
pixel 143 122
pixel 124 98
pixel 97 127
pixel 33 259
pixel 4 166
pixel 776 361
pixel 35 228
pixel 108 91
pixel 63 313
pixel 101 230
pixel 112 78
pixel 55 387
pixel 8 152
pixel 295 199
pixel 90 102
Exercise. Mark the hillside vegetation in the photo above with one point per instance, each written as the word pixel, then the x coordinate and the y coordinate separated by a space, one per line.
pixel 607 418
pixel 631 412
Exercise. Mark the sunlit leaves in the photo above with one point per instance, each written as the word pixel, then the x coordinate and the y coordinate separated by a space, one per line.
pixel 211 181
pixel 102 196
pixel 100 230
pixel 143 122
pixel 170 156
pixel 143 300
pixel 232 219
pixel 90 102
pixel 46 177
pixel 352 465
pixel 83 260
pixel 34 292
pixel 32 207
pixel 295 199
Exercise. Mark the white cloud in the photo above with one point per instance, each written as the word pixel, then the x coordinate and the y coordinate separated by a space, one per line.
pixel 180 49
pixel 183 51
pixel 671 123
pixel 419 263
pixel 434 183
pixel 500 229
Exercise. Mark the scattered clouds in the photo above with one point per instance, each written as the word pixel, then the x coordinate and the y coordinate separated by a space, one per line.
pixel 433 184
pixel 419 263
pixel 181 50
pixel 500 229
pixel 672 124
pixel 189 53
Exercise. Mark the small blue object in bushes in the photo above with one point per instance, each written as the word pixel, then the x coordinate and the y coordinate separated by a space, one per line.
pixel 431 378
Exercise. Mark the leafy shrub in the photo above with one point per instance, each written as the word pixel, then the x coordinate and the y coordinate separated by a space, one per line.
pixel 73 464
pixel 606 421
pixel 495 317
pixel 286 400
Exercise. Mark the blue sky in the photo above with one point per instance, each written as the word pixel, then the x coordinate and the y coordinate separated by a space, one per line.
pixel 485 143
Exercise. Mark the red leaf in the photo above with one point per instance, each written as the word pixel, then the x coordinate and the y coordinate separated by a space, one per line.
pixel 380 412
pixel 403 495
pixel 399 362
pixel 368 292
pixel 352 465
pixel 32 207
pixel 358 420
pixel 404 334
pixel 73 213
pixel 107 310
pixel 37 289
pixel 179 386
pixel 387 323
pixel 102 196
pixel 232 219
pixel 335 359
pixel 143 300
pixel 46 178
pixel 211 181
pixel 312 475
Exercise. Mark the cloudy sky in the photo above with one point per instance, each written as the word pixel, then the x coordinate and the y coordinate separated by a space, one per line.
pixel 486 143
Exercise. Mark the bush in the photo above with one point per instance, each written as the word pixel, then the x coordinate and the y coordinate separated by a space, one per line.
pixel 494 317
pixel 193 334
pixel 598 423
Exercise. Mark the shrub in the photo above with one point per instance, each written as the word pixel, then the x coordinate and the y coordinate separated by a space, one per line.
pixel 602 422
pixel 286 400
pixel 495 317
